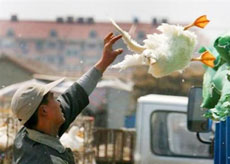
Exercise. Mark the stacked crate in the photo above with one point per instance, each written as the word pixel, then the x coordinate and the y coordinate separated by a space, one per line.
pixel 87 155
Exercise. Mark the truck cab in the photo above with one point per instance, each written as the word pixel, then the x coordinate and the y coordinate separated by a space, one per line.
pixel 162 136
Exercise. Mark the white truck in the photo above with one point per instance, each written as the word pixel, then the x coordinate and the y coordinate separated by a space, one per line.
pixel 162 136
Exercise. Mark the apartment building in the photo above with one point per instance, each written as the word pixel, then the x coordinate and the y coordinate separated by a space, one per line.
pixel 71 45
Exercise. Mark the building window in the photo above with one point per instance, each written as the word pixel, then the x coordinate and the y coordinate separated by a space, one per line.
pixel 92 34
pixel 53 33
pixel 141 35
pixel 23 46
pixel 92 45
pixel 10 33
pixel 71 52
pixel 39 45
pixel 61 44
pixel 50 59
pixel 51 45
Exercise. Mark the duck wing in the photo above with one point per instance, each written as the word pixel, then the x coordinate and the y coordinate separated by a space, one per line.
pixel 131 44
pixel 130 61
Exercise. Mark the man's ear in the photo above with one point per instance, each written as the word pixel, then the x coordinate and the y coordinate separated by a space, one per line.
pixel 43 110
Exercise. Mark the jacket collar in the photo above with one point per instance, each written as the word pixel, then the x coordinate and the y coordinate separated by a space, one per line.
pixel 45 139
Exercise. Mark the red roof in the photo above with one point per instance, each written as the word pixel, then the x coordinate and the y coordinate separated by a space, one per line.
pixel 41 29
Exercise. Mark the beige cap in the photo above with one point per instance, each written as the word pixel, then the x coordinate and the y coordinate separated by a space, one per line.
pixel 27 99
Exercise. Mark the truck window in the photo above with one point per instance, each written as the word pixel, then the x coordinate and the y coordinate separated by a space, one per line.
pixel 169 136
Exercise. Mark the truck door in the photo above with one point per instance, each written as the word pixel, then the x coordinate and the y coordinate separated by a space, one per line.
pixel 172 143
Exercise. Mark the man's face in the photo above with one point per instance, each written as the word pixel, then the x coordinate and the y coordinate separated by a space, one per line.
pixel 54 110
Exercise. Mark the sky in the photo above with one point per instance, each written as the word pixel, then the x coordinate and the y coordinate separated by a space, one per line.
pixel 176 11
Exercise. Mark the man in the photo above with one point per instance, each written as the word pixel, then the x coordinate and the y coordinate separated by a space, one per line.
pixel 46 119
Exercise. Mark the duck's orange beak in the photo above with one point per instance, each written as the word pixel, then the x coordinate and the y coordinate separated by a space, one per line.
pixel 207 58
pixel 200 22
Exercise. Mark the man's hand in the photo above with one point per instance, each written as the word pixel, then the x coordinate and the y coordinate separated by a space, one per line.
pixel 109 55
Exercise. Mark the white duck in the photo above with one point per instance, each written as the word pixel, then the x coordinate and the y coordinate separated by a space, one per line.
pixel 72 140
pixel 6 138
pixel 167 52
